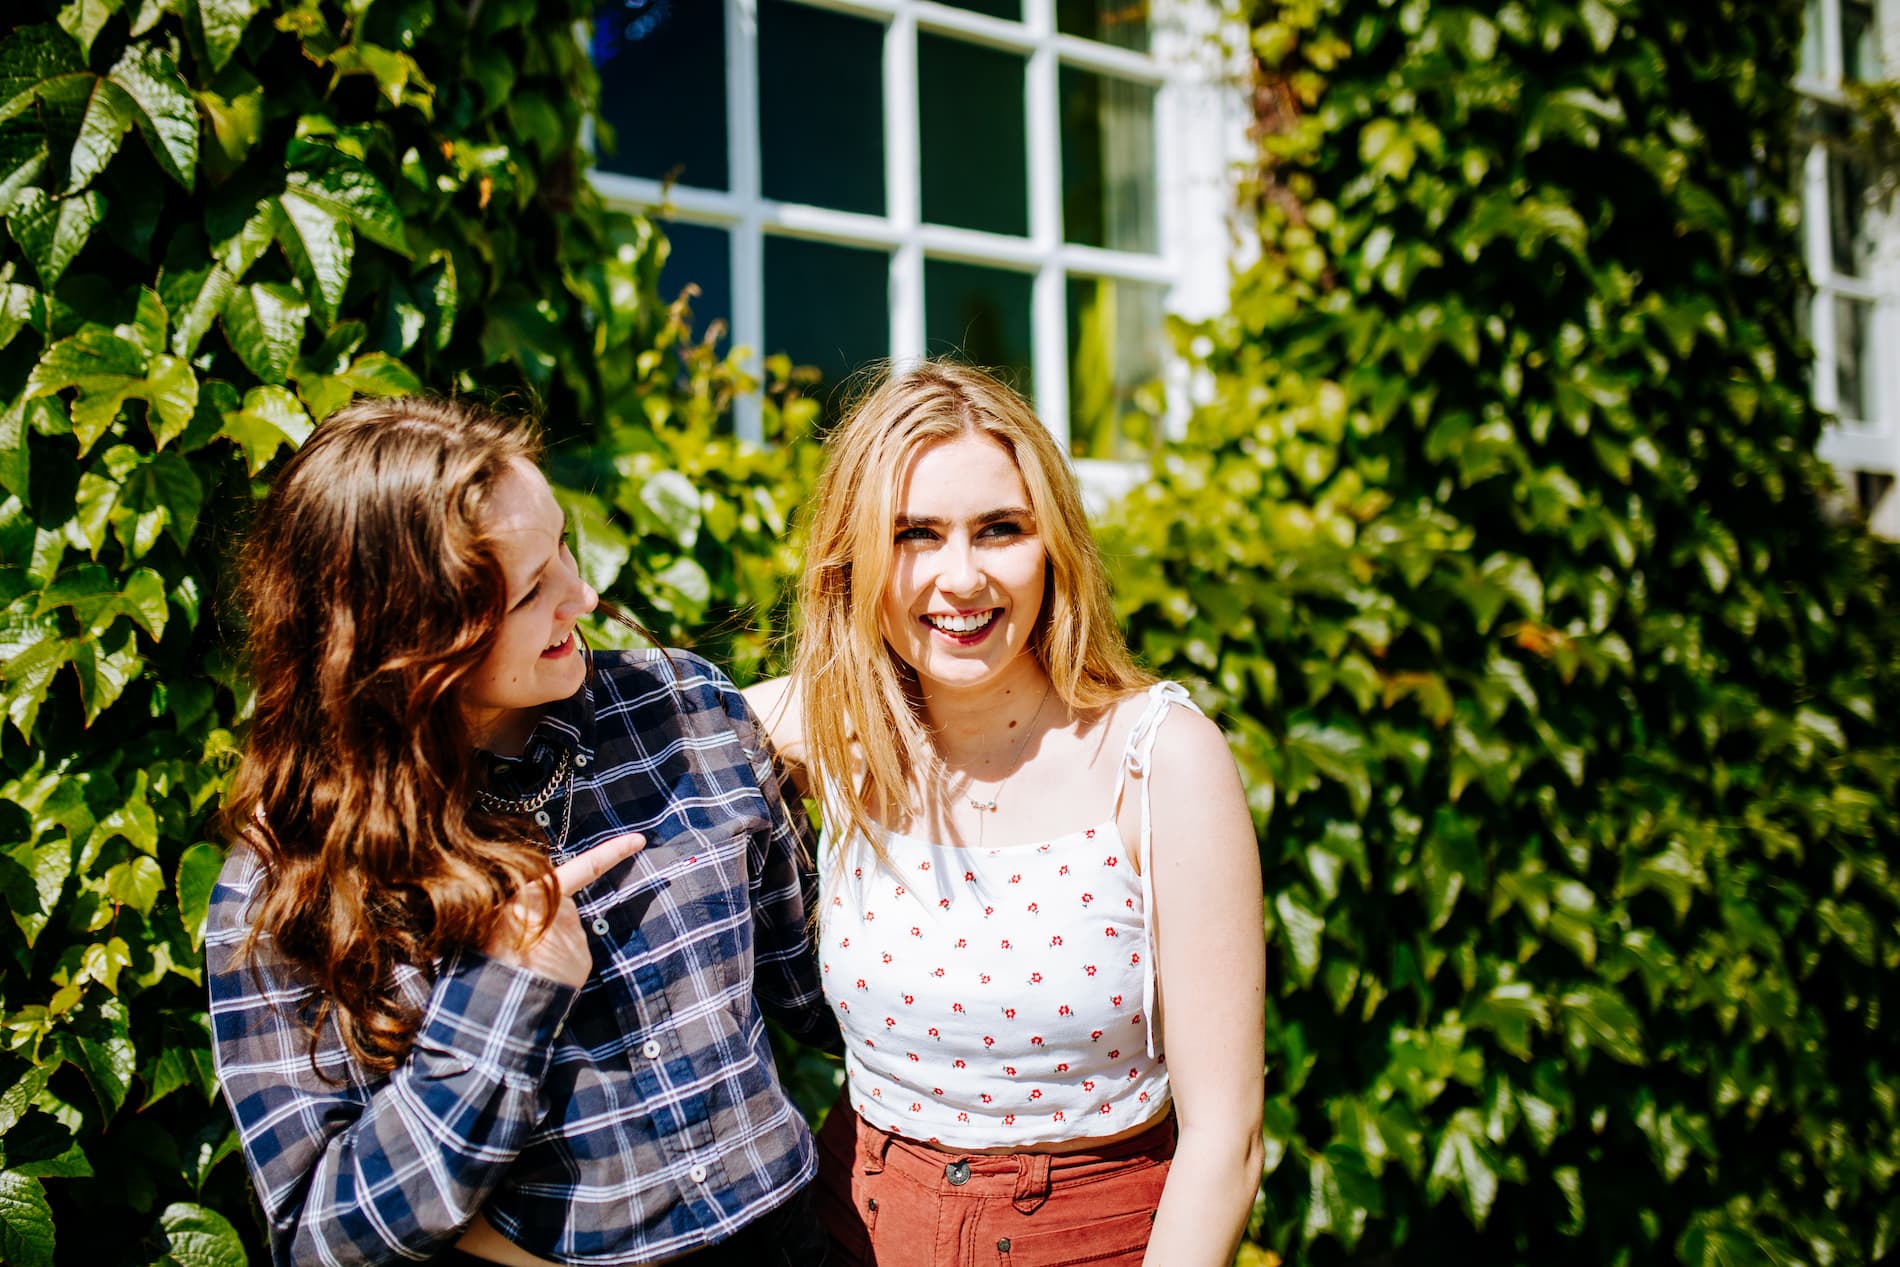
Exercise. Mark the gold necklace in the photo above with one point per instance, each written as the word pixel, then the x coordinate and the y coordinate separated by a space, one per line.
pixel 1022 744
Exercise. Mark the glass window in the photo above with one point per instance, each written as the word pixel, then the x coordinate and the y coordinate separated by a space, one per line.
pixel 826 306
pixel 700 256
pixel 974 152
pixel 1108 162
pixel 653 53
pixel 980 314
pixel 1850 240
pixel 1860 50
pixel 821 107
pixel 1116 353
pixel 1011 9
pixel 1123 23
pixel 1854 358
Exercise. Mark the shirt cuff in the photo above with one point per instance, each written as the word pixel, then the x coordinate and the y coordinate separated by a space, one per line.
pixel 496 1014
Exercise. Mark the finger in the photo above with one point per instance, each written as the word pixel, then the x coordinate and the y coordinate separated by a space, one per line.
pixel 577 873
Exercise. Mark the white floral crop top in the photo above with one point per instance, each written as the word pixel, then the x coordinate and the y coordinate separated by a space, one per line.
pixel 991 997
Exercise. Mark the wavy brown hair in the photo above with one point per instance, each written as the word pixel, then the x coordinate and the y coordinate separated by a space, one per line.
pixel 862 729
pixel 370 591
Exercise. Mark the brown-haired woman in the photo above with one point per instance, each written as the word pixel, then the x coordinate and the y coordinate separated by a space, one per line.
pixel 1021 828
pixel 460 1013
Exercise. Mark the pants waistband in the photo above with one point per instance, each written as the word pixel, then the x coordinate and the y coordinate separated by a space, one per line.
pixel 1026 1178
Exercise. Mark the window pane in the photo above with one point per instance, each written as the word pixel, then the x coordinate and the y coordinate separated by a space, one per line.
pixel 1854 358
pixel 826 306
pixel 700 256
pixel 1011 9
pixel 821 107
pixel 1108 162
pixel 1860 51
pixel 981 314
pixel 1123 23
pixel 975 158
pixel 1115 351
pixel 1850 235
pixel 663 61
pixel 1811 60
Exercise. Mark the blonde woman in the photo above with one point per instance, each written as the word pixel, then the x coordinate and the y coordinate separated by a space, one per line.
pixel 1040 907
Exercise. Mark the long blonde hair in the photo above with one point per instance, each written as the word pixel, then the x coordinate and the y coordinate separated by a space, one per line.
pixel 862 725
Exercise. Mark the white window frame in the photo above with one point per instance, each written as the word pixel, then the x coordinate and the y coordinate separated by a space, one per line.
pixel 1200 142
pixel 1853 445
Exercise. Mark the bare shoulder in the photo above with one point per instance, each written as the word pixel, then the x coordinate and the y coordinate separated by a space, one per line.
pixel 1196 779
pixel 775 703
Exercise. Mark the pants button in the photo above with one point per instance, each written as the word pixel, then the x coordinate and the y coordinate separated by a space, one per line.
pixel 1003 1245
pixel 957 1172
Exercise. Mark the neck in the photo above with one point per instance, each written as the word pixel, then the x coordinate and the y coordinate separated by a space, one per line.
pixel 504 732
pixel 977 726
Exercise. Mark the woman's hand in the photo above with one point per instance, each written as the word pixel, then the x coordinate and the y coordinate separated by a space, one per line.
pixel 557 948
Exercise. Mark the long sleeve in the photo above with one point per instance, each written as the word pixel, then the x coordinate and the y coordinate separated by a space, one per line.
pixel 354 1168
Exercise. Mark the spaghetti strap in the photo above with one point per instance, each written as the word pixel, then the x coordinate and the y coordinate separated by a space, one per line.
pixel 1137 756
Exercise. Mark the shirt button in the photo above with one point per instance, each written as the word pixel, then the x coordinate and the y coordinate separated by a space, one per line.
pixel 651 1050
pixel 697 1174
pixel 600 925
pixel 580 760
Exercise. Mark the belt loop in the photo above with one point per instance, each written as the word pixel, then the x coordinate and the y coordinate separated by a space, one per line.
pixel 1032 1181
pixel 872 1145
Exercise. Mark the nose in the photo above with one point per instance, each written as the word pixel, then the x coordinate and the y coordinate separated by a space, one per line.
pixel 580 597
pixel 959 571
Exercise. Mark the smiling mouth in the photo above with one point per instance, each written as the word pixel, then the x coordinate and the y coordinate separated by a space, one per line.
pixel 560 648
pixel 964 626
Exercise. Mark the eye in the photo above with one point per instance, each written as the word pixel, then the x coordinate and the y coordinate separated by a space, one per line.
pixel 526 598
pixel 915 534
pixel 1002 528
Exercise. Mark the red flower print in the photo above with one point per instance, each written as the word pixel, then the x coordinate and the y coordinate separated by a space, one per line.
pixel 913 1056
pixel 1009 1119
pixel 1056 940
pixel 827 969
pixel 1035 978
pixel 869 916
pixel 964 1117
pixel 1035 1040
pixel 1095 1036
pixel 969 875
pixel 958 1064
pixel 1143 1097
pixel 923 866
pixel 1090 834
pixel 916 931
pixel 1134 1073
pixel 916 1107
pixel 937 973
pixel 1016 879
pixel 861 984
pixel 1063 869
pixel 898 891
pixel 857 873
pixel 1105 1108
pixel 1088 1084
pixel 1135 958
pixel 984 978
pixel 843 1006
pixel 1034 909
pixel 837 901
pixel 869 1043
pixel 887 956
pixel 1135 1019
pixel 1115 1001
pixel 985 1095
pixel 1005 943
pixel 1063 1067
pixel 989 910
pixel 932 1031
pixel 1064 1010
pixel 910 998
pixel 877 1093
pixel 1009 1013
pixel 846 943
pixel 1109 932
pixel 944 902
pixel 1036 1094
pixel 1115 1054
pixel 1089 968
pixel 963 943
pixel 1088 897
pixel 1010 1070
pixel 1111 861
pixel 890 1022
pixel 988 1041
pixel 957 1008
pixel 1129 902
pixel 1058 1116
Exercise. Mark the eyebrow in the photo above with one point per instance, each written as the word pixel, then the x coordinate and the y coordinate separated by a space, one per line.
pixel 535 578
pixel 983 520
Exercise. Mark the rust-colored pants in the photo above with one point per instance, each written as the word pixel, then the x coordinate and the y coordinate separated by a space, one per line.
pixel 891 1203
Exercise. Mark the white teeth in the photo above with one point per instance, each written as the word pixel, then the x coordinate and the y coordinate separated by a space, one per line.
pixel 963 624
pixel 558 642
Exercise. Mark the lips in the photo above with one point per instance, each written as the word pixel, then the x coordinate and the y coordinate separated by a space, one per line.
pixel 560 648
pixel 963 626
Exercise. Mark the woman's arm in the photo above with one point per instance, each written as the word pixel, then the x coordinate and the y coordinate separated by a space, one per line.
pixel 356 1168
pixel 775 702
pixel 1210 949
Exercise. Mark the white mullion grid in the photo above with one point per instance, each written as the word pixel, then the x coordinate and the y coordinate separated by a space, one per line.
pixel 1048 296
pixel 747 240
pixel 903 186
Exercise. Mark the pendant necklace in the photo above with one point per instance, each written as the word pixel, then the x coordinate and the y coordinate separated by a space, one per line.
pixel 989 806
pixel 560 783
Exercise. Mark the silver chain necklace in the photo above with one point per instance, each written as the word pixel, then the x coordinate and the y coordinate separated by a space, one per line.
pixel 989 806
pixel 562 780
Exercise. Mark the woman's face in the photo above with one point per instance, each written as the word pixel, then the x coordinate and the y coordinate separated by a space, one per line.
pixel 968 569
pixel 534 656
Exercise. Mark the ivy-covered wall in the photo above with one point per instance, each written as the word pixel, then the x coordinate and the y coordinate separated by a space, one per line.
pixel 1567 709
pixel 221 219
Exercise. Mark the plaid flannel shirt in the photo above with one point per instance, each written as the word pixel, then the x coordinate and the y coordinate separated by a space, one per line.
pixel 635 1119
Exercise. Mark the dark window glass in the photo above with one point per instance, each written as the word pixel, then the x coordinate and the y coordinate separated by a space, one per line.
pixel 1108 162
pixel 1115 359
pixel 1123 23
pixel 826 306
pixel 663 90
pixel 980 314
pixel 1011 9
pixel 1860 42
pixel 821 107
pixel 1850 238
pixel 1854 358
pixel 975 157
pixel 700 256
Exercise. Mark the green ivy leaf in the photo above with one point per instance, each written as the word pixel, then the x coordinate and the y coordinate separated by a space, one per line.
pixel 48 863
pixel 336 183
pixel 197 876
pixel 219 25
pixel 26 1222
pixel 1598 1017
pixel 104 674
pixel 51 232
pixel 270 418
pixel 29 58
pixel 263 323
pixel 161 108
pixel 84 19
pixel 160 492
pixel 673 506
pixel 1463 1166
pixel 1302 929
pixel 194 289
pixel 136 883
pixel 193 1236
pixel 319 245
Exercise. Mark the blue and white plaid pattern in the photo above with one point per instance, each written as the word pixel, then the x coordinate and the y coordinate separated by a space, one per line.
pixel 633 1120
